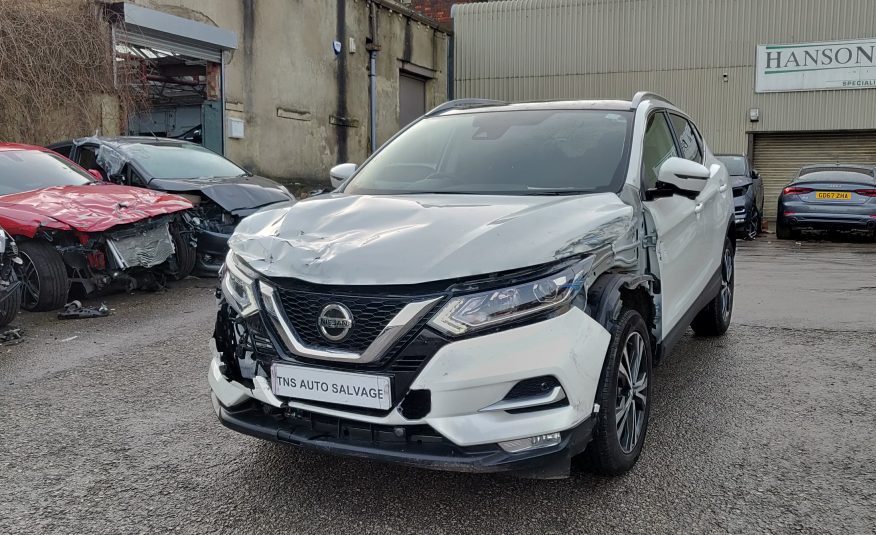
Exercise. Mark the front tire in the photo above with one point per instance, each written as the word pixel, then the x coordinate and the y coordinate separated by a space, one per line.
pixel 624 398
pixel 184 257
pixel 44 275
pixel 753 228
pixel 714 319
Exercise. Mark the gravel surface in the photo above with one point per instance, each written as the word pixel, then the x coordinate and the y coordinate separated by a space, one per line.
pixel 107 428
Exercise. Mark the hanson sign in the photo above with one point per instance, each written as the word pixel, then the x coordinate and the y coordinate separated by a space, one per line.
pixel 814 66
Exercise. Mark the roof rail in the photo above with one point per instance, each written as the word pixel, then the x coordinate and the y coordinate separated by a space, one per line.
pixel 648 95
pixel 462 103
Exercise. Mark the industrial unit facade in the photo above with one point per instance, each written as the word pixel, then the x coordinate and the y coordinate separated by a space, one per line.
pixel 788 82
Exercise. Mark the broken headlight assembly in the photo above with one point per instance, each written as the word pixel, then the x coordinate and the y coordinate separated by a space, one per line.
pixel 482 310
pixel 239 286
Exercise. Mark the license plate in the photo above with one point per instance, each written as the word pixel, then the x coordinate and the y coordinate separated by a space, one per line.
pixel 371 391
pixel 834 195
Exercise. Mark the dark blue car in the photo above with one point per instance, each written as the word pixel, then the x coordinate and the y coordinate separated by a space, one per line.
pixel 747 195
pixel 828 197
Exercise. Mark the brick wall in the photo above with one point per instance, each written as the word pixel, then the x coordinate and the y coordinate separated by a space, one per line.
pixel 438 10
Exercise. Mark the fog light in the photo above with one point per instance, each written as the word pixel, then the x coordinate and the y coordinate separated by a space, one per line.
pixel 531 443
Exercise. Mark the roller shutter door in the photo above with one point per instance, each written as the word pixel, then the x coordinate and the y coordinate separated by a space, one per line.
pixel 779 156
pixel 171 43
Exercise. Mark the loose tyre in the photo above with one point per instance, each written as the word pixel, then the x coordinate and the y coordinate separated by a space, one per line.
pixel 714 319
pixel 184 258
pixel 44 275
pixel 9 305
pixel 624 398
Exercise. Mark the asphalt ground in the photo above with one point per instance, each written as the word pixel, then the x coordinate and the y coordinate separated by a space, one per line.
pixel 106 427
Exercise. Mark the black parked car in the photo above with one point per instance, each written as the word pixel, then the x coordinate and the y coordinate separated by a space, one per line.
pixel 747 194
pixel 829 197
pixel 222 192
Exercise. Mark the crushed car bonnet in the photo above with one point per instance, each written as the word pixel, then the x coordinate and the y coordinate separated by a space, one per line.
pixel 410 239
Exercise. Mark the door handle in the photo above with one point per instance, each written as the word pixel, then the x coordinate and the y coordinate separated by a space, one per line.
pixel 723 188
pixel 698 209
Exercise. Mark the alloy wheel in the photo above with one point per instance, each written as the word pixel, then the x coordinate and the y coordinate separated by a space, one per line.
pixel 753 226
pixel 31 280
pixel 632 398
pixel 726 284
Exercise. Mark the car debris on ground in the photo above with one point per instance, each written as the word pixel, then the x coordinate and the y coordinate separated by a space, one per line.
pixel 74 311
pixel 11 336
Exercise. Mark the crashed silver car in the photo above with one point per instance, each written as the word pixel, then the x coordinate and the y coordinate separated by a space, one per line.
pixel 10 286
pixel 222 192
pixel 488 292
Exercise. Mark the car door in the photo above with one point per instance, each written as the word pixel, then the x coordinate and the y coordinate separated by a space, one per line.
pixel 674 221
pixel 711 203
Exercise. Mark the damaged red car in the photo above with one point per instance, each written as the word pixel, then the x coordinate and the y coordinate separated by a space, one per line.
pixel 77 234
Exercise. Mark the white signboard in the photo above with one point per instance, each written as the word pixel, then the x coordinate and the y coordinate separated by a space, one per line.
pixel 816 66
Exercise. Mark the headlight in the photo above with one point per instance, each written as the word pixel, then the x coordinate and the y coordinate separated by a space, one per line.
pixel 238 286
pixel 477 311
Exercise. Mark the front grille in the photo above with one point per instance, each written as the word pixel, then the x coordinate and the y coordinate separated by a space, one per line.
pixel 370 315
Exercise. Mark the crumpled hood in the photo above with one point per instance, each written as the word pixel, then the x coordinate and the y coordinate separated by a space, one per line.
pixel 233 194
pixel 93 208
pixel 410 239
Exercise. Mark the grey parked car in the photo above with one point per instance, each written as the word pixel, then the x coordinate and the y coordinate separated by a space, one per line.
pixel 747 195
pixel 829 197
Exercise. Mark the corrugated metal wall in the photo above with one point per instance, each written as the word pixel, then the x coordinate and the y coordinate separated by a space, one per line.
pixel 548 49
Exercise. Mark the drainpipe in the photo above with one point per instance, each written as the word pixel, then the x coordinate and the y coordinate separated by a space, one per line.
pixel 372 48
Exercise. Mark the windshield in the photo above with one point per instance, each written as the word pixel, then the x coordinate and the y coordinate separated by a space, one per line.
pixel 532 152
pixel 735 164
pixel 26 170
pixel 183 160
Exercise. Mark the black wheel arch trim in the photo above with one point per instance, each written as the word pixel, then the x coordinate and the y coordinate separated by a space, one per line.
pixel 606 295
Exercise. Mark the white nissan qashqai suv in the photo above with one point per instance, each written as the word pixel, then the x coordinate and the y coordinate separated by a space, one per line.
pixel 488 292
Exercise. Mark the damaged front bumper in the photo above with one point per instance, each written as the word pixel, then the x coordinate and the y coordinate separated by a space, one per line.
pixel 212 248
pixel 466 420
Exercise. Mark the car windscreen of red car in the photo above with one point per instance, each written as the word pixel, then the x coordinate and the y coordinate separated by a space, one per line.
pixel 26 170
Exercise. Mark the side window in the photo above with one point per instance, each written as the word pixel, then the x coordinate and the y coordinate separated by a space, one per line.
pixel 63 150
pixel 133 177
pixel 688 141
pixel 87 158
pixel 658 147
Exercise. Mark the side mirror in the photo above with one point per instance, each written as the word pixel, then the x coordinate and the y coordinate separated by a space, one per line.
pixel 340 173
pixel 755 174
pixel 96 174
pixel 684 175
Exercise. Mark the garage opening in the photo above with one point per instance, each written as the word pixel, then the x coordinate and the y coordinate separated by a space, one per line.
pixel 411 98
pixel 778 156
pixel 178 64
